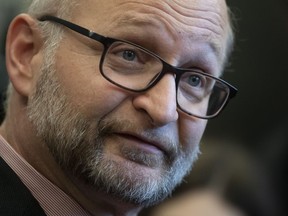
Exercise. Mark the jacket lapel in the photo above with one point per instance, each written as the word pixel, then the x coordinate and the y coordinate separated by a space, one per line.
pixel 15 198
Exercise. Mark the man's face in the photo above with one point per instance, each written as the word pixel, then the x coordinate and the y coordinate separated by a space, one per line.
pixel 135 146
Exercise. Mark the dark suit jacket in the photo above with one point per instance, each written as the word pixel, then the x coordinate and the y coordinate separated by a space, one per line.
pixel 15 198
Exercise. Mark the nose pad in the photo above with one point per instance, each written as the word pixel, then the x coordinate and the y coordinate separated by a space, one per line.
pixel 159 102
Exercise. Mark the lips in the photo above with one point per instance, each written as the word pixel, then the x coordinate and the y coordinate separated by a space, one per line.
pixel 144 142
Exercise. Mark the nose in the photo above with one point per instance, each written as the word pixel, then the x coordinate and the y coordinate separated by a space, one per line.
pixel 159 102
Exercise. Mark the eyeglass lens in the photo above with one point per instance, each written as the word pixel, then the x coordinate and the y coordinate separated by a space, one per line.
pixel 135 69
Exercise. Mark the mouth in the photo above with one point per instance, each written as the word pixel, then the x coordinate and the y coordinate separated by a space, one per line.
pixel 143 143
pixel 142 150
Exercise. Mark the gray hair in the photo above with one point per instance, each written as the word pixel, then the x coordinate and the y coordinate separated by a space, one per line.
pixel 60 8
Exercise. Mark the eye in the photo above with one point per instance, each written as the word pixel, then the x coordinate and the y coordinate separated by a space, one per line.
pixel 194 80
pixel 129 55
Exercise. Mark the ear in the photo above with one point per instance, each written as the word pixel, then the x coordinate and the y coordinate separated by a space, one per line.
pixel 23 53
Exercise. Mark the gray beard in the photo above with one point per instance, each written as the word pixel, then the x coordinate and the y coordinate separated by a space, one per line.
pixel 77 145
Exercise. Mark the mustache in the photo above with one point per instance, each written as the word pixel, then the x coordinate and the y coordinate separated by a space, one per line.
pixel 161 137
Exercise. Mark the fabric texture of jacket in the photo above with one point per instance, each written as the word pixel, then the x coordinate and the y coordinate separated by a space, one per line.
pixel 15 197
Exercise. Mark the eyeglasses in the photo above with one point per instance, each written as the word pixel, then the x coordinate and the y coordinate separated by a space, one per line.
pixel 134 68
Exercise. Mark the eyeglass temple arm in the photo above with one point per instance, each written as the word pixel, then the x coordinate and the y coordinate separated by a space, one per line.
pixel 74 27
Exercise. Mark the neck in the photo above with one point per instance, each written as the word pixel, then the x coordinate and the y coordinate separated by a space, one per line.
pixel 101 203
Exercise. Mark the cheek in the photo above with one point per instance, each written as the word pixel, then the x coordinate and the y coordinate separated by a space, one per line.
pixel 191 131
pixel 86 90
pixel 97 99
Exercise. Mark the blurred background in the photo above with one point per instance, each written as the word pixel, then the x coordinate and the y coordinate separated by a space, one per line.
pixel 245 150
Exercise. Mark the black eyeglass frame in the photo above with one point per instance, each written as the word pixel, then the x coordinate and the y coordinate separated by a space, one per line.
pixel 167 68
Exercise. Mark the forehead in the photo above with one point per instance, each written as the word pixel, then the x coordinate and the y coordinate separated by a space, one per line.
pixel 175 21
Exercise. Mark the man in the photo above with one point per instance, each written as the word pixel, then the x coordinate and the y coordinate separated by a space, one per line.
pixel 99 122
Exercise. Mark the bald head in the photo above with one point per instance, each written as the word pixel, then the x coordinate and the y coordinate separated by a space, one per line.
pixel 65 9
